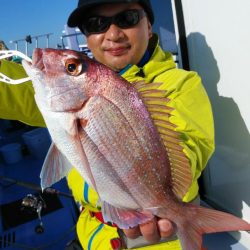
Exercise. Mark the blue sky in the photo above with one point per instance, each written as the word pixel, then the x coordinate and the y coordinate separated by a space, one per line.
pixel 19 18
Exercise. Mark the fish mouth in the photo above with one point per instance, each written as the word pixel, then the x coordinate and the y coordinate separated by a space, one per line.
pixel 37 59
pixel 37 62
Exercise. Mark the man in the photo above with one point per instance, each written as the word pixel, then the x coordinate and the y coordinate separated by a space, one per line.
pixel 119 34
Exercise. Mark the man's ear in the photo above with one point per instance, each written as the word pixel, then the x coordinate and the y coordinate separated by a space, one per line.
pixel 150 31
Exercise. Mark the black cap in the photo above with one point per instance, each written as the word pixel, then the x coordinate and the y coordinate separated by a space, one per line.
pixel 77 15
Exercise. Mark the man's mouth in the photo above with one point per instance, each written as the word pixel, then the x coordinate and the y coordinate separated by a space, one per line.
pixel 118 51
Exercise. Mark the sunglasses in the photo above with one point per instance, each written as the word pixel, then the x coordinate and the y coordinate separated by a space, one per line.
pixel 100 24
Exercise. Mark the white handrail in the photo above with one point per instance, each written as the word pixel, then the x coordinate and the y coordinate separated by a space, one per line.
pixel 10 53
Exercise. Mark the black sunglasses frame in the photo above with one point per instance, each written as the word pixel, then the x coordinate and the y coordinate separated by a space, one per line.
pixel 137 14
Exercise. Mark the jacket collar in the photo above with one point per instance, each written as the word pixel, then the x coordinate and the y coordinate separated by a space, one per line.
pixel 158 62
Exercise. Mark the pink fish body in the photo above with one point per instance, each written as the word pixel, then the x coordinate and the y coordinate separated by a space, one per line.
pixel 110 131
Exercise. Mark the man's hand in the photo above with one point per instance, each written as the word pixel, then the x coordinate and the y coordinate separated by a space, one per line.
pixel 152 231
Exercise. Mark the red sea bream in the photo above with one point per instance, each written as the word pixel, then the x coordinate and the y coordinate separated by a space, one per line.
pixel 119 137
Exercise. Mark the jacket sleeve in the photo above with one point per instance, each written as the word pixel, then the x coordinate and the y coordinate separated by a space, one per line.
pixel 17 101
pixel 82 192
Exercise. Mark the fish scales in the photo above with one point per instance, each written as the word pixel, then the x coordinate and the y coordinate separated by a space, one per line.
pixel 131 151
pixel 100 124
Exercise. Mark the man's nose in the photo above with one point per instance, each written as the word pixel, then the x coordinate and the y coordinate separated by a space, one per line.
pixel 114 33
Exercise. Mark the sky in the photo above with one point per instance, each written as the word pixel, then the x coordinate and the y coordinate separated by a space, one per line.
pixel 20 18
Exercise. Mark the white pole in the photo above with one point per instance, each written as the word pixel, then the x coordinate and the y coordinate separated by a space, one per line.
pixel 26 48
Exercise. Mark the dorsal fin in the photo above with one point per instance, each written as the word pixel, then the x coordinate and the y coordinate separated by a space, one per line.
pixel 157 104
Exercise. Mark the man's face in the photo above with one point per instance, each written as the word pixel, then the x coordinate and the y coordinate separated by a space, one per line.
pixel 119 47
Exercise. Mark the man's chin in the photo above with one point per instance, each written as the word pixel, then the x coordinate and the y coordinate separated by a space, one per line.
pixel 116 66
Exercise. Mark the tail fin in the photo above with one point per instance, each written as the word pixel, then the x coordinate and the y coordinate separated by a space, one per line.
pixel 200 220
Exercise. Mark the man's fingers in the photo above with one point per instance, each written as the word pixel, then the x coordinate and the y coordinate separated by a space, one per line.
pixel 166 228
pixel 132 233
pixel 150 231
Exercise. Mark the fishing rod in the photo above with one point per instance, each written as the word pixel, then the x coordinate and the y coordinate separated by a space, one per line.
pixel 35 187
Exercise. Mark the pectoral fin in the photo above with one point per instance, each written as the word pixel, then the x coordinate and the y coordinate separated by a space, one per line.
pixel 55 167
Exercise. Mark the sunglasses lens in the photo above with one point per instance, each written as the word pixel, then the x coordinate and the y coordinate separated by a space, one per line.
pixel 127 19
pixel 100 24
pixel 96 24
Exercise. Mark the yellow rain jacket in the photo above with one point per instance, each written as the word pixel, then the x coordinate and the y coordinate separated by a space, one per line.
pixel 17 101
pixel 192 115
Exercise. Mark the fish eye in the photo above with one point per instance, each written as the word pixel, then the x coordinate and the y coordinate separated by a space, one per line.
pixel 73 66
